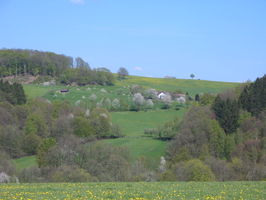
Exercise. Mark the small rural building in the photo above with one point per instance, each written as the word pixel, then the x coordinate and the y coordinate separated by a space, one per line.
pixel 161 95
pixel 64 90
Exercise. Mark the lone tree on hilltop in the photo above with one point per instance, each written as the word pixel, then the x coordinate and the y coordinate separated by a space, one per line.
pixel 122 73
pixel 192 76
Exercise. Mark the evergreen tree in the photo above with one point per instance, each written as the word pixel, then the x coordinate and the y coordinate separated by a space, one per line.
pixel 197 97
pixel 227 113
pixel 13 94
pixel 253 97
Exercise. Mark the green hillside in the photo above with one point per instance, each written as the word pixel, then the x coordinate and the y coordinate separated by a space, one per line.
pixel 132 124
pixel 191 86
pixel 186 85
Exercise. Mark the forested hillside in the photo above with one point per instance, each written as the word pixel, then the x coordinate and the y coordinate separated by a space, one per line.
pixel 18 61
pixel 223 139
pixel 15 62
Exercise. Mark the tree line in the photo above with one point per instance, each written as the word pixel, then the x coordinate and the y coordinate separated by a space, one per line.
pixel 15 62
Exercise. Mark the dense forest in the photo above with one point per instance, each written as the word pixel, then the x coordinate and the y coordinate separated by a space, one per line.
pixel 67 70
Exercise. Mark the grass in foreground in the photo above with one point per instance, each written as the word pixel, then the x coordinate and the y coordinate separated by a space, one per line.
pixel 136 191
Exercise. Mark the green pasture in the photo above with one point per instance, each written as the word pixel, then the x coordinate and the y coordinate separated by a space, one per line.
pixel 136 191
pixel 79 95
pixel 121 89
pixel 186 85
pixel 24 162
pixel 133 125
pixel 33 91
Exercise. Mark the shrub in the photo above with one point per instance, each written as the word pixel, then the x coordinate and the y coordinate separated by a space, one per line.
pixel 82 127
pixel 193 170
pixel 31 175
pixel 31 143
pixel 6 165
pixel 71 174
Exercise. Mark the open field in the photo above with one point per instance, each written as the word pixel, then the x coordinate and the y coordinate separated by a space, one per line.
pixel 133 124
pixel 120 90
pixel 33 91
pixel 24 162
pixel 136 191
pixel 186 85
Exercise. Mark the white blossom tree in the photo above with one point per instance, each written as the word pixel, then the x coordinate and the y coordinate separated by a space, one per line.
pixel 149 103
pixel 116 104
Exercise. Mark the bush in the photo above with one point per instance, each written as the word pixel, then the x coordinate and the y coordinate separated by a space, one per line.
pixel 71 174
pixel 43 149
pixel 6 165
pixel 193 170
pixel 31 143
pixel 31 175
pixel 82 127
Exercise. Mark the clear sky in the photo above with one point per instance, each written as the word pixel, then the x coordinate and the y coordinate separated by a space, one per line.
pixel 221 40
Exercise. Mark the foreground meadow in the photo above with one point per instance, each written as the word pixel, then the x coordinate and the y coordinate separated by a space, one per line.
pixel 136 191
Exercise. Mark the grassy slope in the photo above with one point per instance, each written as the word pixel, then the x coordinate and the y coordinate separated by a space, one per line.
pixel 28 161
pixel 136 191
pixel 133 125
pixel 191 86
pixel 33 91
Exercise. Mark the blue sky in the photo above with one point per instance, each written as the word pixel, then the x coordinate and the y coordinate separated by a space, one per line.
pixel 221 40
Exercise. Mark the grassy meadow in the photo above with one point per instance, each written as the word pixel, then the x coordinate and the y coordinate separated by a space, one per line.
pixel 24 162
pixel 133 125
pixel 186 85
pixel 121 91
pixel 136 191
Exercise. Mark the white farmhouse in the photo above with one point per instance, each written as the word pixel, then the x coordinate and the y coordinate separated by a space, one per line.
pixel 161 95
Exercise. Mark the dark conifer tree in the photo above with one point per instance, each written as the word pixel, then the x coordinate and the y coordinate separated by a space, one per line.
pixel 197 97
pixel 253 97
pixel 227 114
pixel 13 94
